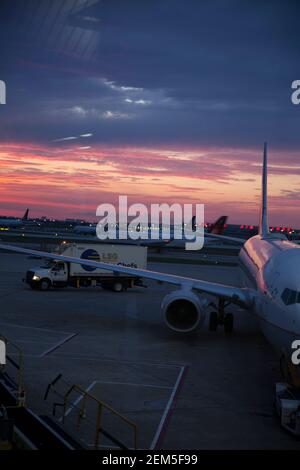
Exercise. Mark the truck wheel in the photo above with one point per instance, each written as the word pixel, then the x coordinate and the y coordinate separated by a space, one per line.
pixel 44 284
pixel 117 286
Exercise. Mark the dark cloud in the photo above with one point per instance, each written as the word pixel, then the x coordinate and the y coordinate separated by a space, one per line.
pixel 148 72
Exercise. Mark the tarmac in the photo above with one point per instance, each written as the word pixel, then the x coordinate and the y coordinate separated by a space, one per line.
pixel 199 391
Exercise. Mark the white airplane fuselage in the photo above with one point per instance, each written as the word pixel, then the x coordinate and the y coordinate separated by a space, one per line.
pixel 272 268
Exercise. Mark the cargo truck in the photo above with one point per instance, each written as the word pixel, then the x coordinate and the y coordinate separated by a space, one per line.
pixel 62 274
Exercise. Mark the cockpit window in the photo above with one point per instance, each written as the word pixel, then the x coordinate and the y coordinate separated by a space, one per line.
pixel 290 297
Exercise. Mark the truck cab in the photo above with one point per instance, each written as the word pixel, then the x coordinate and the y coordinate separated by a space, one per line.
pixel 54 273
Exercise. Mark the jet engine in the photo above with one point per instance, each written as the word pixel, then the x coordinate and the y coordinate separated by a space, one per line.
pixel 183 310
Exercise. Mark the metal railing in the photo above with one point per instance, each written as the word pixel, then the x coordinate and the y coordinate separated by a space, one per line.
pixel 101 406
pixel 19 367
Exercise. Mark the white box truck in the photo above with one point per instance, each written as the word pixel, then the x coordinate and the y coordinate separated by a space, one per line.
pixel 58 273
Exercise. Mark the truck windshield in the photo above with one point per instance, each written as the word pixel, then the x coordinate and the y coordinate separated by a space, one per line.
pixel 48 264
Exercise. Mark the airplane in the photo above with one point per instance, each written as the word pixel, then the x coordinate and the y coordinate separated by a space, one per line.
pixel 85 229
pixel 91 230
pixel 271 292
pixel 218 227
pixel 171 242
pixel 215 228
pixel 11 223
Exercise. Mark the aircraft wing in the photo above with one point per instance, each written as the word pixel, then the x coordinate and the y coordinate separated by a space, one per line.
pixel 240 296
pixel 225 237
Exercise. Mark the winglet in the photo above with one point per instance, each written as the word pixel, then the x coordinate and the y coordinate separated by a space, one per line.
pixel 263 221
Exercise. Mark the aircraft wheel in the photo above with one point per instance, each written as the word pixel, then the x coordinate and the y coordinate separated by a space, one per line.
pixel 213 321
pixel 228 323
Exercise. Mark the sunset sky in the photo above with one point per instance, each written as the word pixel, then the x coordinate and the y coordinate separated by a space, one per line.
pixel 162 100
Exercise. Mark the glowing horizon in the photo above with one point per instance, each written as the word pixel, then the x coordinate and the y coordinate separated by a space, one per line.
pixel 71 182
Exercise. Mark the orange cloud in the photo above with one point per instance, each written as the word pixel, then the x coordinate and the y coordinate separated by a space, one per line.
pixel 69 181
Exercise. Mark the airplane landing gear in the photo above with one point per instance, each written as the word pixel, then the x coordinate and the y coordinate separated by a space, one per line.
pixel 221 318
pixel 213 321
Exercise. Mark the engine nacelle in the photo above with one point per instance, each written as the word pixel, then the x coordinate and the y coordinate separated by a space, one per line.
pixel 183 311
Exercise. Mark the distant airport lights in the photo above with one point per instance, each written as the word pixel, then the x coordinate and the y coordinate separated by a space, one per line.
pixel 288 230
pixel 248 227
pixel 272 229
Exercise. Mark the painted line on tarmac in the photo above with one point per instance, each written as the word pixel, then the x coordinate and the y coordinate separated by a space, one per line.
pixel 92 384
pixel 28 341
pixel 164 387
pixel 169 410
pixel 58 345
pixel 36 328
pixel 88 357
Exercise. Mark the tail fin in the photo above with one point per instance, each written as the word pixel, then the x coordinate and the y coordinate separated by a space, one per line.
pixel 218 227
pixel 263 221
pixel 25 216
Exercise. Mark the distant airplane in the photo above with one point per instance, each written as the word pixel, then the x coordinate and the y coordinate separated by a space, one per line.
pixel 271 265
pixel 82 229
pixel 11 223
pixel 216 228
pixel 91 230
